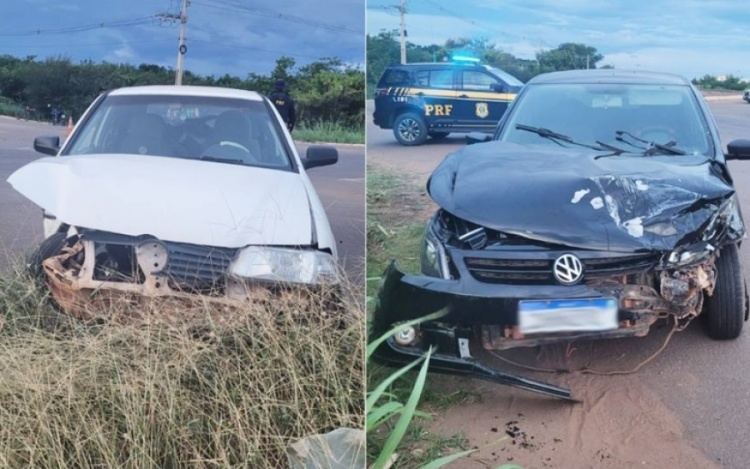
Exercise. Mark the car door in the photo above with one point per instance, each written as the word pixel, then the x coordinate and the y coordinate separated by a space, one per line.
pixel 482 99
pixel 435 88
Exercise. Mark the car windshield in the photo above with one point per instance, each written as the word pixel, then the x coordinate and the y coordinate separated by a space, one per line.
pixel 224 130
pixel 642 119
pixel 506 77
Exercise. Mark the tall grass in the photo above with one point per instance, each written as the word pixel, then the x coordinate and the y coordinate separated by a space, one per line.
pixel 159 384
pixel 330 132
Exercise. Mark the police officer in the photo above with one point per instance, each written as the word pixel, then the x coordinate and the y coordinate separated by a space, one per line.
pixel 284 103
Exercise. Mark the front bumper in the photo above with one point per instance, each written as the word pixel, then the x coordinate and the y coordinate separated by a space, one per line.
pixel 486 314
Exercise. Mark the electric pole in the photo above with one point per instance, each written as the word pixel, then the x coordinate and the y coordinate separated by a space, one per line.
pixel 182 48
pixel 402 10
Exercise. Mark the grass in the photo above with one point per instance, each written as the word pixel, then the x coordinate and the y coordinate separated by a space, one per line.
pixel 330 132
pixel 397 209
pixel 208 388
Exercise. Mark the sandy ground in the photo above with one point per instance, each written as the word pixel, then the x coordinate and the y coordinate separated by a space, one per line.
pixel 620 423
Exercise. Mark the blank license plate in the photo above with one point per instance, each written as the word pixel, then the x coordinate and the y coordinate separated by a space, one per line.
pixel 598 314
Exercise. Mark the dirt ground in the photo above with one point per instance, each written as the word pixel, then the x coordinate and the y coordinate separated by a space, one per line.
pixel 619 423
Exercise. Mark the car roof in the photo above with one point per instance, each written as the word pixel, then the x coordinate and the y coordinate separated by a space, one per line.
pixel 609 76
pixel 186 90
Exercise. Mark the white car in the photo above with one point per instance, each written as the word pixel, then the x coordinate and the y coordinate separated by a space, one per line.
pixel 178 190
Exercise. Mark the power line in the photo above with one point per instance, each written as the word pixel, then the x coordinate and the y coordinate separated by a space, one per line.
pixel 237 46
pixel 268 13
pixel 89 44
pixel 134 21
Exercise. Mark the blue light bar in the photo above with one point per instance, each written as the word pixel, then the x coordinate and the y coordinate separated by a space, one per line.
pixel 464 58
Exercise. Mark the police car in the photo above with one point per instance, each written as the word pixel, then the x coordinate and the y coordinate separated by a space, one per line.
pixel 424 100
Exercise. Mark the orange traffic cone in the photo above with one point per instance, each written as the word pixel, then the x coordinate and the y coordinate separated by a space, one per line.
pixel 69 130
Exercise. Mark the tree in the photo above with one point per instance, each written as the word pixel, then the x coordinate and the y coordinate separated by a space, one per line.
pixel 568 56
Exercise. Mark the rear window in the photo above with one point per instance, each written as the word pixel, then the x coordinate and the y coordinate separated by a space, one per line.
pixel 394 77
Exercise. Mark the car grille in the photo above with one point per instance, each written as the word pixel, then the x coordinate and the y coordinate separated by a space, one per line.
pixel 190 266
pixel 539 271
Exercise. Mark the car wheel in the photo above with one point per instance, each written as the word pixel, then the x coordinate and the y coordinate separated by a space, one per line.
pixel 49 247
pixel 725 309
pixel 410 129
pixel 439 135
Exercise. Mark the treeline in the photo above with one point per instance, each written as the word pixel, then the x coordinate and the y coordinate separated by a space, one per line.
pixel 326 91
pixel 384 50
pixel 729 82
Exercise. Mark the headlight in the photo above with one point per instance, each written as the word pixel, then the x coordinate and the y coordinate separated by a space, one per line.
pixel 693 254
pixel 286 265
pixel 433 258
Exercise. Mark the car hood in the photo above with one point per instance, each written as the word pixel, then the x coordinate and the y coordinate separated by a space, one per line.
pixel 188 201
pixel 624 203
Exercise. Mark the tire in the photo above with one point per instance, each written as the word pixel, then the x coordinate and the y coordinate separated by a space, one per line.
pixel 410 129
pixel 438 135
pixel 49 247
pixel 726 308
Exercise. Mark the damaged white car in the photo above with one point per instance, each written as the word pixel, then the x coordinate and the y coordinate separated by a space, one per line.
pixel 177 191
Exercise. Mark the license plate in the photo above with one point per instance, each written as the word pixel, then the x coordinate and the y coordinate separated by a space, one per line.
pixel 537 316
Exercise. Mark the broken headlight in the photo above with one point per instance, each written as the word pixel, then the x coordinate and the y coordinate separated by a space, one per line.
pixel 286 265
pixel 698 252
pixel 692 254
pixel 433 258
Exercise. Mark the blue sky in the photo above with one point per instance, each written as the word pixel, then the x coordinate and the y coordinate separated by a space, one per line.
pixel 688 37
pixel 223 36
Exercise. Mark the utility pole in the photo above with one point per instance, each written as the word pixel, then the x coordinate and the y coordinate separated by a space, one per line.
pixel 182 48
pixel 402 10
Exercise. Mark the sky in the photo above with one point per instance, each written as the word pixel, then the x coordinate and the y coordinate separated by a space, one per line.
pixel 691 38
pixel 223 36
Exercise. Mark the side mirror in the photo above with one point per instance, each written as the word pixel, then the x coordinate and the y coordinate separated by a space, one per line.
pixel 477 137
pixel 738 150
pixel 500 87
pixel 47 145
pixel 318 155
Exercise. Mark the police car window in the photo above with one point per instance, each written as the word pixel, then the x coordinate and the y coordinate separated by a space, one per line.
pixel 478 81
pixel 395 77
pixel 441 79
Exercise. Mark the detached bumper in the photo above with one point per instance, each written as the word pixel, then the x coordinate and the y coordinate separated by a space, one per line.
pixel 406 297
pixel 487 314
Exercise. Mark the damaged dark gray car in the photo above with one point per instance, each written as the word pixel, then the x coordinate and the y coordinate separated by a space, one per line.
pixel 602 204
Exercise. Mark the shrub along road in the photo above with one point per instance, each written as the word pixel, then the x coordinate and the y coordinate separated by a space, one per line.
pixel 686 408
pixel 340 187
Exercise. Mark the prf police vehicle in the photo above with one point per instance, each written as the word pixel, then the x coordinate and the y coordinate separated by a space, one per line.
pixel 434 99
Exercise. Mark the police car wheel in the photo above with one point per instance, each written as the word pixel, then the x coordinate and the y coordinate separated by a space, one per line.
pixel 439 135
pixel 410 129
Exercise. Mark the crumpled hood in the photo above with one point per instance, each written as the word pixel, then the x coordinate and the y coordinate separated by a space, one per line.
pixel 566 196
pixel 173 199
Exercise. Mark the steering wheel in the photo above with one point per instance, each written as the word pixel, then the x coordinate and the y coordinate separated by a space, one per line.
pixel 235 145
pixel 658 134
pixel 231 150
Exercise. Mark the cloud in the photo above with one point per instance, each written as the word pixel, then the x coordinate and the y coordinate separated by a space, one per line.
pixel 688 37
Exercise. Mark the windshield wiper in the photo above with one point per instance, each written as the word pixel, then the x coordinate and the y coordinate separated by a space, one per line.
pixel 222 160
pixel 556 137
pixel 651 148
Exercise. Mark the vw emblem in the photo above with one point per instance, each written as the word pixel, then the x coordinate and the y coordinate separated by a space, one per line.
pixel 568 269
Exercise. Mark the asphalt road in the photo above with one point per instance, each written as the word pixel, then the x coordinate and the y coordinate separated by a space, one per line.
pixel 340 187
pixel 706 383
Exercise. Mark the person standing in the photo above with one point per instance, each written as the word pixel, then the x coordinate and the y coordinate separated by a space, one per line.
pixel 284 103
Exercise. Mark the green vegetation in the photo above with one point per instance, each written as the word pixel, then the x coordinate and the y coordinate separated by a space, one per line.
pixel 383 50
pixel 730 82
pixel 328 132
pixel 164 385
pixel 397 210
pixel 327 92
